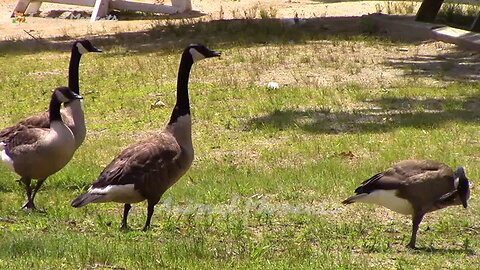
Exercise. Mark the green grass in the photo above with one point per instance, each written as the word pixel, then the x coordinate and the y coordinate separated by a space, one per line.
pixel 271 166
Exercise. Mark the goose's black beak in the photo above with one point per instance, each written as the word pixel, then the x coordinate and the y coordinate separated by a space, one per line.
pixel 77 96
pixel 214 54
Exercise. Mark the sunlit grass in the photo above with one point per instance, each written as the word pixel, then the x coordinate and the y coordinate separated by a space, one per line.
pixel 271 166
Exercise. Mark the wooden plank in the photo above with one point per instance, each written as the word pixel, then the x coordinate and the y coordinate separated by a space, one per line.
pixel 87 3
pixel 145 7
pixel 463 38
pixel 32 6
pixel 182 5
pixel 100 10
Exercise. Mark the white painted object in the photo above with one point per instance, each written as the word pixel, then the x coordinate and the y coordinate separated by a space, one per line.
pixel 101 7
pixel 273 85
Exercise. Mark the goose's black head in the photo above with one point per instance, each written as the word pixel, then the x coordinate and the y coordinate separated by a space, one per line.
pixel 199 52
pixel 84 46
pixel 64 94
pixel 463 187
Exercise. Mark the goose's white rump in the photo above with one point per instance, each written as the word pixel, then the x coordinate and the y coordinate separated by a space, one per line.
pixel 388 199
pixel 117 193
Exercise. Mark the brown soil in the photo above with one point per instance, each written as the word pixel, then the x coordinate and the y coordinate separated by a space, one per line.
pixel 51 22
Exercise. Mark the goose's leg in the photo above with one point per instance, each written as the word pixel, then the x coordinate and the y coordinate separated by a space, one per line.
pixel 417 218
pixel 34 192
pixel 29 205
pixel 126 208
pixel 150 208
pixel 37 187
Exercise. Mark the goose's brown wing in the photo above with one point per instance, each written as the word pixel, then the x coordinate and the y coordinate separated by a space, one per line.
pixel 23 140
pixel 39 120
pixel 141 161
pixel 407 174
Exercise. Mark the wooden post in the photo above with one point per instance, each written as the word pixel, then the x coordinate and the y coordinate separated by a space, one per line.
pixel 21 7
pixel 428 10
pixel 34 7
pixel 100 10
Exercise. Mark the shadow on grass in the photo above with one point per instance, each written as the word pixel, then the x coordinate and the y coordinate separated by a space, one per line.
pixel 124 15
pixel 168 35
pixel 441 251
pixel 382 115
pixel 452 66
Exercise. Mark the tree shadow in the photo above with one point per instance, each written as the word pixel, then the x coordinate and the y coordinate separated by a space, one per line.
pixel 335 1
pixel 124 15
pixel 167 35
pixel 442 251
pixel 451 66
pixel 381 115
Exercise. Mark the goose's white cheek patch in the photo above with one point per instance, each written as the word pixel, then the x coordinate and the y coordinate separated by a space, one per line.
pixel 61 97
pixel 81 48
pixel 196 55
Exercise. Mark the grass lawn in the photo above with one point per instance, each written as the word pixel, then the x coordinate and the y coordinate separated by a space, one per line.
pixel 271 166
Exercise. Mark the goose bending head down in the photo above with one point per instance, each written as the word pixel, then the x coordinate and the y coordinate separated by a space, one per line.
pixel 36 153
pixel 147 168
pixel 415 187
pixel 72 114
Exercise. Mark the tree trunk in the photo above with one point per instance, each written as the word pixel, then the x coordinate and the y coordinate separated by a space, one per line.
pixel 428 10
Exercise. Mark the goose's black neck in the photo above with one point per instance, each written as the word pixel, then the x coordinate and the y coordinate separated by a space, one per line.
pixel 54 109
pixel 73 70
pixel 182 107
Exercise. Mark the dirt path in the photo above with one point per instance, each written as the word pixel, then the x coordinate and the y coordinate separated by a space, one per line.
pixel 49 24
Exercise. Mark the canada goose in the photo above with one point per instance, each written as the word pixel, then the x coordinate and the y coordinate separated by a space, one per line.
pixel 72 114
pixel 36 153
pixel 147 168
pixel 415 187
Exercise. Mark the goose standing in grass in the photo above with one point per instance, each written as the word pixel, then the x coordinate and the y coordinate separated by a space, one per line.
pixel 415 187
pixel 37 153
pixel 72 114
pixel 147 168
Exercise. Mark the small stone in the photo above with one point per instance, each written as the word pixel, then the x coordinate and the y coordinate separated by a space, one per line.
pixel 273 85
pixel 157 104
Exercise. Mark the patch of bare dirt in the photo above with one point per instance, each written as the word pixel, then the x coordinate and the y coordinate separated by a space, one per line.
pixel 52 21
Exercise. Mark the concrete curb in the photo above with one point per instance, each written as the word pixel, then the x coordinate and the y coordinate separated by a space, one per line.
pixel 463 38
pixel 405 28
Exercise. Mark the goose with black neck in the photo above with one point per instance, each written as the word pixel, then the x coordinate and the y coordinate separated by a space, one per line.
pixel 73 112
pixel 147 168
pixel 37 153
